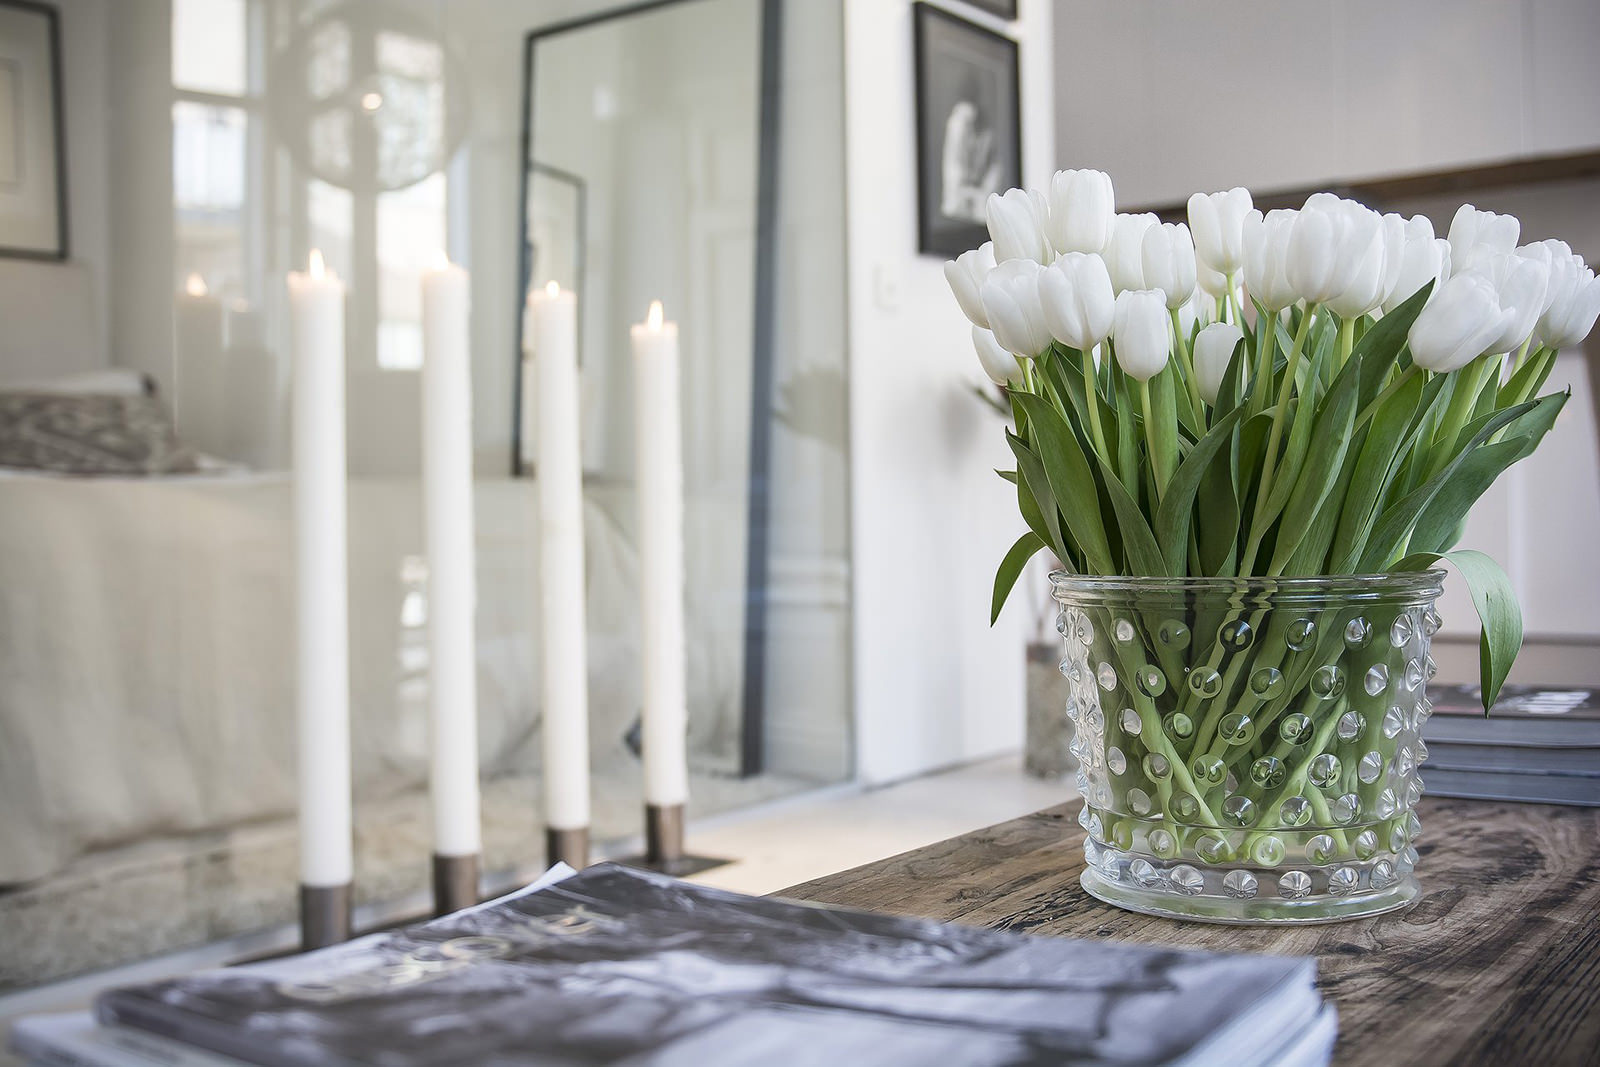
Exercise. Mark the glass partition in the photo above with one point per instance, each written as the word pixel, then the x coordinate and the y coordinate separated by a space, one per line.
pixel 147 675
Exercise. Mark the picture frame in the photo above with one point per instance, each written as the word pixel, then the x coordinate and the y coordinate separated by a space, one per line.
pixel 33 171
pixel 1006 9
pixel 969 127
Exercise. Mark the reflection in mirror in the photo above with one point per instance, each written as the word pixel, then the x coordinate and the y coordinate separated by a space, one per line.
pixel 147 664
pixel 644 182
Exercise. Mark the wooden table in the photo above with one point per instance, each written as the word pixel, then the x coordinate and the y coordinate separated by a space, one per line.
pixel 1498 961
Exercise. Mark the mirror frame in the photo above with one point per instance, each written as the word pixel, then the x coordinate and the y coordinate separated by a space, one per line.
pixel 752 736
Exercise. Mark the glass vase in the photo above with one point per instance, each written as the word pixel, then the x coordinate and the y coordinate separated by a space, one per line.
pixel 1249 747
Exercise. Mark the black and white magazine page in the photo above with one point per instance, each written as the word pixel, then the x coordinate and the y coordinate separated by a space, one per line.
pixel 619 965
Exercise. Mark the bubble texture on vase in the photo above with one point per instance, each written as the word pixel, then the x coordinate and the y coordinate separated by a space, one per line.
pixel 1249 748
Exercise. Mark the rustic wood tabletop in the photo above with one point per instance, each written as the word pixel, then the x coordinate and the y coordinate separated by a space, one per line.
pixel 1498 962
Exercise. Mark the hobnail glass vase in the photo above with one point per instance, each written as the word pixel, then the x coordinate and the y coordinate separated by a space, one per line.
pixel 1249 746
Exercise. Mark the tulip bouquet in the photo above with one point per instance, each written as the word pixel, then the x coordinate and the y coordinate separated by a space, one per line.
pixel 1297 394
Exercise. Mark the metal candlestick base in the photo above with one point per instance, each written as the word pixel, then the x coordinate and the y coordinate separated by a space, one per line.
pixel 567 846
pixel 663 844
pixel 324 915
pixel 455 883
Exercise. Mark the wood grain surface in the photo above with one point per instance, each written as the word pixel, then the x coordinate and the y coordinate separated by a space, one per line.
pixel 1498 962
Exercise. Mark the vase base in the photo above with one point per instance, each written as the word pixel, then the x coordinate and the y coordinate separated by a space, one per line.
pixel 1250 912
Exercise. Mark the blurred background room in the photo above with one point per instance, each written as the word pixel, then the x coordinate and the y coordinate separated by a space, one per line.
pixel 764 169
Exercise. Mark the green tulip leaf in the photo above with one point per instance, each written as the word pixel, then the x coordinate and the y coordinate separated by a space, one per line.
pixel 1496 602
pixel 1172 517
pixel 1011 567
pixel 1071 481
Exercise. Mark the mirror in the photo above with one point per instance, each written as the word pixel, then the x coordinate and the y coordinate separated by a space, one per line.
pixel 650 139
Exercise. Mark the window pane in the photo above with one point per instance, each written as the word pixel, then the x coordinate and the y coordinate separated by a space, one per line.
pixel 411 232
pixel 208 46
pixel 208 175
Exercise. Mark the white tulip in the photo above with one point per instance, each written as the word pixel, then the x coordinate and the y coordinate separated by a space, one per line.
pixel 1125 252
pixel 1475 234
pixel 1011 302
pixel 1080 211
pixel 1016 225
pixel 1213 350
pixel 1001 366
pixel 1420 259
pixel 1265 244
pixel 1217 222
pixel 1461 320
pixel 965 274
pixel 1075 294
pixel 1167 254
pixel 1142 330
pixel 1520 286
pixel 1197 310
pixel 1336 255
pixel 1572 311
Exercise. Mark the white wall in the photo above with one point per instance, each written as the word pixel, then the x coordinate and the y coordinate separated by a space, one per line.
pixel 53 316
pixel 1358 88
pixel 930 520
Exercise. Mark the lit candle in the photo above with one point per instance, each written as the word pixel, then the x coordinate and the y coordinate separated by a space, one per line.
pixel 448 520
pixel 660 487
pixel 197 360
pixel 563 641
pixel 316 307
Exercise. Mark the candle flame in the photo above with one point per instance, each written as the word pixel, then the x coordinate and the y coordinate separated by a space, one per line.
pixel 195 285
pixel 441 259
pixel 654 318
pixel 319 269
pixel 552 289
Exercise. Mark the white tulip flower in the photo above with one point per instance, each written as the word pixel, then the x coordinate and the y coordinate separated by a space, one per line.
pixel 965 274
pixel 1075 294
pixel 1336 255
pixel 1001 366
pixel 1572 311
pixel 1124 253
pixel 1167 254
pixel 1520 287
pixel 1142 330
pixel 1265 244
pixel 1458 325
pixel 1217 223
pixel 1213 350
pixel 1475 234
pixel 1420 259
pixel 1081 210
pixel 1016 225
pixel 1011 302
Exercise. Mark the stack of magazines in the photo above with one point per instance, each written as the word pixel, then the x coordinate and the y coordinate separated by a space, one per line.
pixel 1537 745
pixel 616 965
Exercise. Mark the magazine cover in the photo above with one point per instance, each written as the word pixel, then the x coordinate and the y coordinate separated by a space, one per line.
pixel 619 965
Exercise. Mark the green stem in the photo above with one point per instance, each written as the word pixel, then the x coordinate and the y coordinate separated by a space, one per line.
pixel 1274 437
pixel 1388 391
pixel 1186 364
pixel 1092 394
pixel 1158 481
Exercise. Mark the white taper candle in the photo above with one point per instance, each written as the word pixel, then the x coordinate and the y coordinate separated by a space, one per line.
pixel 316 306
pixel 562 617
pixel 657 431
pixel 452 589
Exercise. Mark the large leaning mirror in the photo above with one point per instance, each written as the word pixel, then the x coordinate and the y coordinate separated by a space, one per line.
pixel 650 150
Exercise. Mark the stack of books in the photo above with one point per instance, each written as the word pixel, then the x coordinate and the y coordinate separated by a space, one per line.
pixel 616 965
pixel 1536 745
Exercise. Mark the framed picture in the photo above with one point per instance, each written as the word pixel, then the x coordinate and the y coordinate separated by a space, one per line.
pixel 969 133
pixel 33 197
pixel 1006 9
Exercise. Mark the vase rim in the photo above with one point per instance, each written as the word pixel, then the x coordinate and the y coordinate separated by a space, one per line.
pixel 1425 585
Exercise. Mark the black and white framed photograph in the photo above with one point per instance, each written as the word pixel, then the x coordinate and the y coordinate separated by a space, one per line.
pixel 33 200
pixel 969 133
pixel 1006 9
